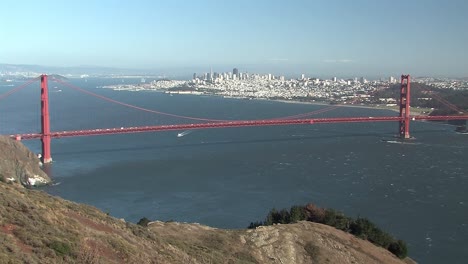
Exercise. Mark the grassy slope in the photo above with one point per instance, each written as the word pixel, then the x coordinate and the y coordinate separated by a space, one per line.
pixel 38 228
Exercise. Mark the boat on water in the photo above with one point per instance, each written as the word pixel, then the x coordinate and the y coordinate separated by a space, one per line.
pixel 186 132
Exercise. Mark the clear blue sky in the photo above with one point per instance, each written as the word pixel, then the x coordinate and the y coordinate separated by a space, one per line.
pixel 329 37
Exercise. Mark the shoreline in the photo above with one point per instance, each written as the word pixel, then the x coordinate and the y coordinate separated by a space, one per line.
pixel 340 105
pixel 390 108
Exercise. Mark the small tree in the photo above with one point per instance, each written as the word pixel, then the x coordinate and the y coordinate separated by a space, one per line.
pixel 254 225
pixel 361 227
pixel 337 219
pixel 399 248
pixel 381 238
pixel 60 248
pixel 271 217
pixel 144 221
pixel 314 213
pixel 284 217
pixel 297 213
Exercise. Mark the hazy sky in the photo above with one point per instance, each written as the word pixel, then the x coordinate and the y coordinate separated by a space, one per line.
pixel 330 37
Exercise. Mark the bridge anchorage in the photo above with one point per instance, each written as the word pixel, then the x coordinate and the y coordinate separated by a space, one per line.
pixel 404 118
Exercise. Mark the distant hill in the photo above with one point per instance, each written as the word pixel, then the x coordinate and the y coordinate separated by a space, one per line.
pixel 76 70
pixel 57 76
pixel 419 91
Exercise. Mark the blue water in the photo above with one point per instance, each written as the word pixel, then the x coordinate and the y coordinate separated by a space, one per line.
pixel 230 177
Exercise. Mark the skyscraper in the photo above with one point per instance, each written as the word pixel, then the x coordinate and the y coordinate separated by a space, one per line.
pixel 235 72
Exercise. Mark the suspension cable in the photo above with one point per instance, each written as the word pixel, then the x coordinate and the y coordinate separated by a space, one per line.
pixel 446 103
pixel 16 89
pixel 137 107
pixel 323 110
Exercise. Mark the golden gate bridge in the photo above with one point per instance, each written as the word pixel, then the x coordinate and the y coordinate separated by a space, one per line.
pixel 404 118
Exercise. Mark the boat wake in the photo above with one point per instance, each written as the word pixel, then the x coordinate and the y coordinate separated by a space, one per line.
pixel 399 142
pixel 186 132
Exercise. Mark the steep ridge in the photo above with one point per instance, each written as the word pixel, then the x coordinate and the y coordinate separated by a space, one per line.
pixel 19 165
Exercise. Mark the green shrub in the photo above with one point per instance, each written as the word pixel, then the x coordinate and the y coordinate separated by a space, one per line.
pixel 61 248
pixel 365 229
pixel 337 219
pixel 399 249
pixel 272 217
pixel 314 213
pixel 144 221
pixel 254 225
pixel 297 213
pixel 381 238
pixel 284 217
pixel 360 227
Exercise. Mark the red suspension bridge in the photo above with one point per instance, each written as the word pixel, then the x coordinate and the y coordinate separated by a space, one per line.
pixel 404 118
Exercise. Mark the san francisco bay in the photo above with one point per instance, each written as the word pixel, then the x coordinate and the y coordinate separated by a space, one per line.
pixel 227 178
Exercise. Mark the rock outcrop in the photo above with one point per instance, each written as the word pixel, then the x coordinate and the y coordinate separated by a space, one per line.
pixel 19 165
pixel 299 243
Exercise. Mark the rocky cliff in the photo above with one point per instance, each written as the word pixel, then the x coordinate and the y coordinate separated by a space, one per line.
pixel 38 228
pixel 19 165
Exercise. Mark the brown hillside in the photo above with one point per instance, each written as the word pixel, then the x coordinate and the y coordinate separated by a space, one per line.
pixel 38 228
pixel 19 165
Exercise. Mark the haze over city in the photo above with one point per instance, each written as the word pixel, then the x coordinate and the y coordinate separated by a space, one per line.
pixel 323 38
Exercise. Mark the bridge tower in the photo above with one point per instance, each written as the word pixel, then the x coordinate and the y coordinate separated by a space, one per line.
pixel 45 122
pixel 405 107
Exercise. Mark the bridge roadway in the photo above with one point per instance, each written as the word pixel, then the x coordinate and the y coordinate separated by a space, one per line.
pixel 227 124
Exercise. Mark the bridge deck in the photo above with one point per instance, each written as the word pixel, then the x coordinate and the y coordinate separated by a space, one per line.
pixel 244 123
